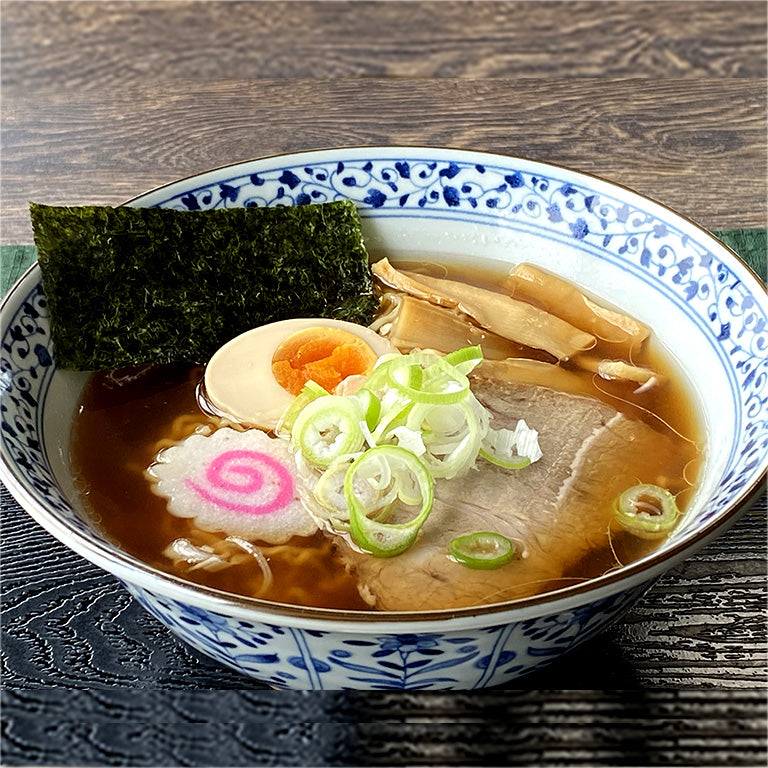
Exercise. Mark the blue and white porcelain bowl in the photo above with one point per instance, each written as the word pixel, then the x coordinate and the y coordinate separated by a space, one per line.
pixel 706 307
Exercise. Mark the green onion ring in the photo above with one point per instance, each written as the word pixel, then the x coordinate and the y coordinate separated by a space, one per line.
pixel 310 391
pixel 646 510
pixel 328 427
pixel 482 550
pixel 373 535
pixel 437 384
pixel 465 359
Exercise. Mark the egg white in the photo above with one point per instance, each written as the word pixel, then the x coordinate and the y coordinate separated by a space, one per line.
pixel 239 384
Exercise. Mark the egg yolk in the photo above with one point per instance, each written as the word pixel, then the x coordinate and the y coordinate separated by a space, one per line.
pixel 324 355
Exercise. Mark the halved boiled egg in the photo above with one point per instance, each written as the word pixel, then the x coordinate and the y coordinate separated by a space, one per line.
pixel 254 377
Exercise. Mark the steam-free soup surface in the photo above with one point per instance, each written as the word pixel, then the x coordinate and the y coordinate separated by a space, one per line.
pixel 127 416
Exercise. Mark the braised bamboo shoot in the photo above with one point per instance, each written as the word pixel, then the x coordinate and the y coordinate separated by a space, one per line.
pixel 527 282
pixel 410 323
pixel 514 320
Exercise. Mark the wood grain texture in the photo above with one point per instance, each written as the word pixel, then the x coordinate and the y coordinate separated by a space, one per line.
pixel 86 46
pixel 698 146
pixel 103 100
pixel 655 728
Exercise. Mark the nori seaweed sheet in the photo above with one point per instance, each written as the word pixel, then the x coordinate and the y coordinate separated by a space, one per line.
pixel 128 286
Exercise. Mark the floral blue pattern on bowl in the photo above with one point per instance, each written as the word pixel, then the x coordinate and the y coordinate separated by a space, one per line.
pixel 308 659
pixel 710 307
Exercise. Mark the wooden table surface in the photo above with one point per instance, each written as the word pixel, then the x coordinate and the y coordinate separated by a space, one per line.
pixel 103 100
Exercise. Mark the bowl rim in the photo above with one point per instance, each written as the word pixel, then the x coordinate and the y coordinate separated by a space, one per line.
pixel 468 153
pixel 121 564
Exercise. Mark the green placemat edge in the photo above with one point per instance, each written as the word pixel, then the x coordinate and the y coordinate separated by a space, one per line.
pixel 750 244
pixel 14 260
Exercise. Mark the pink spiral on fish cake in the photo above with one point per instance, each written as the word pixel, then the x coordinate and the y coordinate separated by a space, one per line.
pixel 234 478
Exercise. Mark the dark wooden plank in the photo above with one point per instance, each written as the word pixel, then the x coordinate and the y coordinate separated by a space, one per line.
pixel 263 728
pixel 698 146
pixel 90 45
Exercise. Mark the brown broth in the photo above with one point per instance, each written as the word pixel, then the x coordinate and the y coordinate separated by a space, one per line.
pixel 125 416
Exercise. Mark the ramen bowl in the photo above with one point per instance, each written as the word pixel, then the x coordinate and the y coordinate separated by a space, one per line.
pixel 705 306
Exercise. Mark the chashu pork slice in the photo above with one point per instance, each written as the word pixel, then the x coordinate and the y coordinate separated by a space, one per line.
pixel 556 510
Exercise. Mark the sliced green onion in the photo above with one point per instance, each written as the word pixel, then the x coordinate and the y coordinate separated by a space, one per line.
pixel 415 376
pixel 427 378
pixel 327 428
pixel 465 359
pixel 394 413
pixel 312 389
pixel 377 378
pixel 371 407
pixel 515 462
pixel 511 448
pixel 419 420
pixel 309 392
pixel 329 489
pixel 646 510
pixel 452 435
pixel 483 550
pixel 366 521
pixel 410 439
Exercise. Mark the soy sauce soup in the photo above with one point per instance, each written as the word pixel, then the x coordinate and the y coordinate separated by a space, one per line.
pixel 127 416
